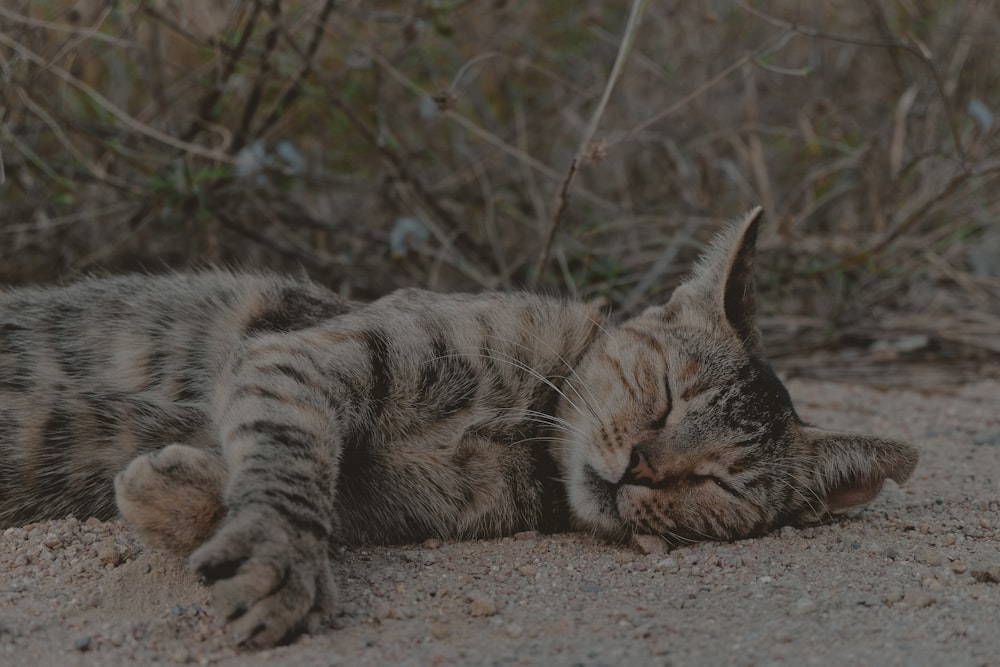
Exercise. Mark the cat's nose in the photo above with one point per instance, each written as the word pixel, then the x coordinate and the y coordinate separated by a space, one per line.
pixel 639 472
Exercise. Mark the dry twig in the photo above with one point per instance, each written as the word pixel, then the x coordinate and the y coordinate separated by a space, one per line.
pixel 562 198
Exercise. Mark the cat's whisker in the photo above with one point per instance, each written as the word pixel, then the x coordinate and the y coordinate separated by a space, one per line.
pixel 556 422
pixel 599 325
pixel 547 440
pixel 675 537
pixel 607 334
pixel 570 367
pixel 589 403
pixel 517 363
pixel 799 489
pixel 572 384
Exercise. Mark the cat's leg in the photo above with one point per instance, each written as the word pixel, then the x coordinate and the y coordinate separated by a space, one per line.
pixel 173 497
pixel 268 562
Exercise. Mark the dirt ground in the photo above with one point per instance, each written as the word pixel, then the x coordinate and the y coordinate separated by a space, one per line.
pixel 912 580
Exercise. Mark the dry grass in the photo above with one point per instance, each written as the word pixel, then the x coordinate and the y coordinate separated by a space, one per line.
pixel 439 143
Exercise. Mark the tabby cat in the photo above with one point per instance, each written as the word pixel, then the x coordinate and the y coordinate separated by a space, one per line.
pixel 248 422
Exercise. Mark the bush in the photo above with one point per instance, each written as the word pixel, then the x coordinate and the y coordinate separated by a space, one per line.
pixel 427 143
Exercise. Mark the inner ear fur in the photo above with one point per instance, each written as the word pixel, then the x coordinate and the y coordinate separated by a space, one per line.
pixel 851 467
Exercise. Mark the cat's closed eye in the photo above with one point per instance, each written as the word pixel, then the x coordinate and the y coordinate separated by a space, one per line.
pixel 661 421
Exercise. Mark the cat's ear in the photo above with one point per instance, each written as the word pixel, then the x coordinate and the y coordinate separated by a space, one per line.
pixel 723 280
pixel 739 293
pixel 851 467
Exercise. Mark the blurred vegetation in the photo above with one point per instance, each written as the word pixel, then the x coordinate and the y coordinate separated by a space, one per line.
pixel 377 145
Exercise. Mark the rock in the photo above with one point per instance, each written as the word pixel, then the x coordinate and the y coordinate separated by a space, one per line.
pixel 650 544
pixel 931 557
pixel 987 438
pixel 918 599
pixel 513 630
pixel 111 553
pixel 987 575
pixel 441 630
pixel 803 606
pixel 481 604
pixel 667 565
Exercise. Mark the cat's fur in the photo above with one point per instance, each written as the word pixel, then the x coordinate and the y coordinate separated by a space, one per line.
pixel 248 421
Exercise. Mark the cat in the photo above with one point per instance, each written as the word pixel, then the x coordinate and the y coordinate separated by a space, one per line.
pixel 248 421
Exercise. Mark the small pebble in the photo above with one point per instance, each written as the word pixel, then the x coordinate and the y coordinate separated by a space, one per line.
pixel 804 605
pixel 931 557
pixel 987 575
pixel 513 630
pixel 987 438
pixel 667 565
pixel 109 553
pixel 650 544
pixel 440 630
pixel 481 604
pixel 918 599
pixel 892 595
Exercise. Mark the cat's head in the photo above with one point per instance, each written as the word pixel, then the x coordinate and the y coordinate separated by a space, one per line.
pixel 677 426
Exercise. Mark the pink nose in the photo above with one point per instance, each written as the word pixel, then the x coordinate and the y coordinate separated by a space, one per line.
pixel 639 471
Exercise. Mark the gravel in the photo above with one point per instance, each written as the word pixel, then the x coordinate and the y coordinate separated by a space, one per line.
pixel 912 580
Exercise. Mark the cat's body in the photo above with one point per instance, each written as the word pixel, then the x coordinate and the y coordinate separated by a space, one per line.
pixel 436 418
pixel 302 419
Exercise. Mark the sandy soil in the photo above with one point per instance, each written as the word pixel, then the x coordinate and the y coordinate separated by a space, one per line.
pixel 910 581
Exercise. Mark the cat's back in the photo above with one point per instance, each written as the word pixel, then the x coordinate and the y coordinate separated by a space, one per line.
pixel 130 331
pixel 94 372
pixel 216 298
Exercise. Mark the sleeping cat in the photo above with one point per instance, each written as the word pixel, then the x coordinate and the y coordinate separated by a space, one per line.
pixel 248 422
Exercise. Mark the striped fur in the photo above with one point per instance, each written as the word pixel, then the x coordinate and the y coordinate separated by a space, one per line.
pixel 248 421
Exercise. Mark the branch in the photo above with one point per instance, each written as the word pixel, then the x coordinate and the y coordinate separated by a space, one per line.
pixel 211 98
pixel 485 135
pixel 773 47
pixel 918 53
pixel 562 199
pixel 263 68
pixel 113 109
pixel 294 90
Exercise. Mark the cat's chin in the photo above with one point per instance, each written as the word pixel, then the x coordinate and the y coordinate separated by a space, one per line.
pixel 593 497
pixel 594 503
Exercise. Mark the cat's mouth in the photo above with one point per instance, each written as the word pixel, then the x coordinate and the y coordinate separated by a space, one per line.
pixel 605 496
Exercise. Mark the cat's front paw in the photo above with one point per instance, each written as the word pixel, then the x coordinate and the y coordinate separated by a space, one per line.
pixel 173 497
pixel 269 580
